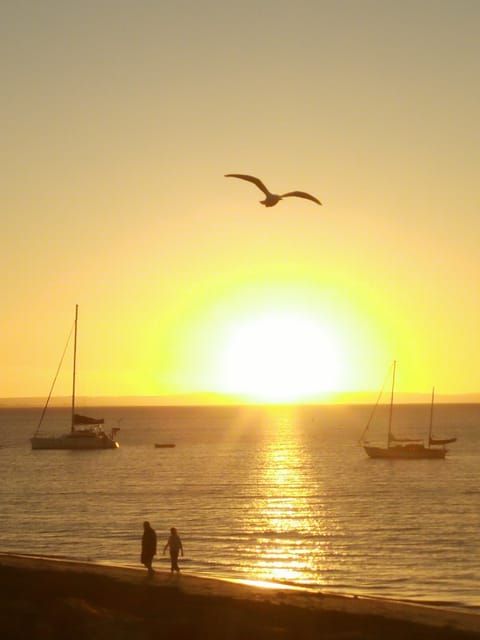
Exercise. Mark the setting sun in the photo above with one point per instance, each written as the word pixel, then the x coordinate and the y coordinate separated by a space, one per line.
pixel 281 357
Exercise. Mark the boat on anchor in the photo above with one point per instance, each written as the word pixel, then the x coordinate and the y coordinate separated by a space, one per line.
pixel 406 448
pixel 85 432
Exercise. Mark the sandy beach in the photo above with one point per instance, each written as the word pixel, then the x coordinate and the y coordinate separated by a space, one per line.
pixel 58 598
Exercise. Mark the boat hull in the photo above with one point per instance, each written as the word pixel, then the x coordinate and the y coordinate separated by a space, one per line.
pixel 75 441
pixel 409 452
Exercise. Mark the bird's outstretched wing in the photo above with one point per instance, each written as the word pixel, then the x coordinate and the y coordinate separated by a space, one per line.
pixel 301 194
pixel 255 181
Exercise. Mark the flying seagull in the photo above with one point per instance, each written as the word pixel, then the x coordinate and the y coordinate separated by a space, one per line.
pixel 272 198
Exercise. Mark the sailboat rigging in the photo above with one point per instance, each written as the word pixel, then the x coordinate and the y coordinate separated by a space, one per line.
pixel 405 448
pixel 85 432
pixel 431 440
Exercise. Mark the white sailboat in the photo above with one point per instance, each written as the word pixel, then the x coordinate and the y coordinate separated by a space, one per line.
pixel 406 448
pixel 85 432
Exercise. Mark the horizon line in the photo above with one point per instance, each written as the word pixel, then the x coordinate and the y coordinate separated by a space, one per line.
pixel 219 399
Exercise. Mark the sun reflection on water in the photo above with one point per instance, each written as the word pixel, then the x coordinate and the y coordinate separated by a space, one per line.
pixel 287 546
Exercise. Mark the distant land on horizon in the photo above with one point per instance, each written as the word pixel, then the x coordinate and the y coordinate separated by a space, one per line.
pixel 214 399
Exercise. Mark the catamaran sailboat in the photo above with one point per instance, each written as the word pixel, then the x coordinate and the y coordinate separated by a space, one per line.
pixel 406 448
pixel 85 432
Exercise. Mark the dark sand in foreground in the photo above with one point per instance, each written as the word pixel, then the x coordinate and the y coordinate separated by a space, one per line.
pixel 50 598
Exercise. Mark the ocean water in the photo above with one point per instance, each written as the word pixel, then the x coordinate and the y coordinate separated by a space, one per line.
pixel 279 494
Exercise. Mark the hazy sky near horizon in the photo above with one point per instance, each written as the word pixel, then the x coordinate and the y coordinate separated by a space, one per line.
pixel 121 118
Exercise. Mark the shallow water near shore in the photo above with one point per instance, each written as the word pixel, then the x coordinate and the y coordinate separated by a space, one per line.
pixel 280 494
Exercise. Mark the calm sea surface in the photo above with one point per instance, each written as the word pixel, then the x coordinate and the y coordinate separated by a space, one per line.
pixel 282 494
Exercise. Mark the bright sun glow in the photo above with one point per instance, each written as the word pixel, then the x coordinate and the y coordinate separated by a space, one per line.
pixel 281 357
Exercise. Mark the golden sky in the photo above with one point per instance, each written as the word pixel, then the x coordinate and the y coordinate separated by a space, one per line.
pixel 120 119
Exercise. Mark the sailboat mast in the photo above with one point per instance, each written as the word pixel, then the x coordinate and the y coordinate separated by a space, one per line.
pixel 391 404
pixel 74 367
pixel 431 417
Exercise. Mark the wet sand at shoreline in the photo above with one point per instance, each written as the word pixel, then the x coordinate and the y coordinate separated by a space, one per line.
pixel 59 598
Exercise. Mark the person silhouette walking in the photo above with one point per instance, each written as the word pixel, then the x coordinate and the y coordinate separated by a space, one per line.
pixel 174 544
pixel 149 547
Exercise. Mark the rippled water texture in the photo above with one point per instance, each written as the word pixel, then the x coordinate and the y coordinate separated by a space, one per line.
pixel 282 494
